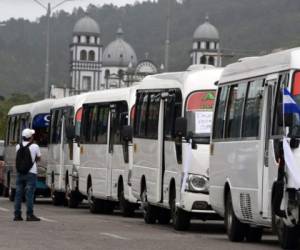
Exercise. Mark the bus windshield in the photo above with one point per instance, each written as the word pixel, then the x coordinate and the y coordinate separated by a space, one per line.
pixel 41 126
pixel 199 113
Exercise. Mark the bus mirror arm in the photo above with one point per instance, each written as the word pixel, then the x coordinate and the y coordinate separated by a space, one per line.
pixel 70 132
pixel 181 128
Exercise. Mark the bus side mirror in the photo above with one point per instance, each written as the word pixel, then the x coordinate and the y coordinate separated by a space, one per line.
pixel 127 133
pixel 288 118
pixel 70 132
pixel 181 127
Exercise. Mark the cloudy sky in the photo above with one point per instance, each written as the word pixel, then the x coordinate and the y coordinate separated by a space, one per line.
pixel 28 9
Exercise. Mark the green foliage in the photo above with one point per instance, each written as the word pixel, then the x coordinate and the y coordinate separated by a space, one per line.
pixel 247 27
pixel 6 104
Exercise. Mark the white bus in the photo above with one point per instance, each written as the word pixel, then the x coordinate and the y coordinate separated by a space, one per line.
pixel 249 185
pixel 36 116
pixel 170 174
pixel 105 156
pixel 64 152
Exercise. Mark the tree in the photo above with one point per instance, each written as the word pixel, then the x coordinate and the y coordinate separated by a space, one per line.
pixel 5 106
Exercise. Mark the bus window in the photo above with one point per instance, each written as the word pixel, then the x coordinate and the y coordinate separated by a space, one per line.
pixel 102 124
pixel 120 120
pixel 235 110
pixel 199 112
pixel 141 111
pixel 56 121
pixel 172 111
pixel 152 117
pixel 78 119
pixel 220 112
pixel 69 119
pixel 41 126
pixel 253 108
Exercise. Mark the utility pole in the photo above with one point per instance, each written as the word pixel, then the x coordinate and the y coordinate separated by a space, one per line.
pixel 167 42
pixel 49 10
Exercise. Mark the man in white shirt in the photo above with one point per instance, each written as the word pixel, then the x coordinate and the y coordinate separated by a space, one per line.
pixel 28 180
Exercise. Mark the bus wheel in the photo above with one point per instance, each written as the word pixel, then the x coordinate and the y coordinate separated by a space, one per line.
pixel 235 229
pixel 181 219
pixel 58 198
pixel 126 208
pixel 148 209
pixel 288 236
pixel 164 216
pixel 94 204
pixel 72 197
pixel 254 234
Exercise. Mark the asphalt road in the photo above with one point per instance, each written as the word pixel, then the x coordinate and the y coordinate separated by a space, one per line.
pixel 64 228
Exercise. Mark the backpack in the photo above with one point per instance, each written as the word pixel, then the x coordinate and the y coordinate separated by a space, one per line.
pixel 23 160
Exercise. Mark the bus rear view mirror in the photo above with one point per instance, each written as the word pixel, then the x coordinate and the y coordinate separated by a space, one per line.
pixel 127 133
pixel 181 127
pixel 70 132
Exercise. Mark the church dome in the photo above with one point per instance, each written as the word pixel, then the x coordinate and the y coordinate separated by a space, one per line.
pixel 87 25
pixel 119 53
pixel 206 31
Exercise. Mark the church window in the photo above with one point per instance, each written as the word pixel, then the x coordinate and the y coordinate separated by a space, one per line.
pixel 211 60
pixel 91 55
pixel 78 39
pixel 83 55
pixel 87 39
pixel 207 45
pixel 202 60
pixel 199 45
pixel 87 82
pixel 121 74
pixel 107 73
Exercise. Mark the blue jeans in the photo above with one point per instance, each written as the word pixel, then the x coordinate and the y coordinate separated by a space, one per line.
pixel 29 182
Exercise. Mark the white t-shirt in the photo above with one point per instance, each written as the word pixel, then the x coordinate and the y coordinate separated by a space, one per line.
pixel 35 152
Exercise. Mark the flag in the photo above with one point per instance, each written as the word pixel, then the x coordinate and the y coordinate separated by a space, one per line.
pixel 293 169
pixel 289 104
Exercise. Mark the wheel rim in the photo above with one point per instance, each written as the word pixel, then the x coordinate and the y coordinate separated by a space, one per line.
pixel 229 217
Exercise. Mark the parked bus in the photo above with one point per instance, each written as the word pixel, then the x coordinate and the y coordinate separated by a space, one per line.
pixel 249 181
pixel 64 153
pixel 171 133
pixel 105 155
pixel 36 116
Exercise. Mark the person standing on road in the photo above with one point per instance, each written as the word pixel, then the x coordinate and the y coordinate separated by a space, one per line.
pixel 28 153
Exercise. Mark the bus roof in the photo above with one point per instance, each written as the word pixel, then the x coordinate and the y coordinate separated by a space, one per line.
pixel 263 65
pixel 189 81
pixel 122 94
pixel 34 108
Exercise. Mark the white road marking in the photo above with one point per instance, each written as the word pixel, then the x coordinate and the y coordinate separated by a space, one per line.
pixel 4 209
pixel 114 236
pixel 47 220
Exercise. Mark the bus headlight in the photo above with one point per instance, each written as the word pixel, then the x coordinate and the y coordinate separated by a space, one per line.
pixel 197 183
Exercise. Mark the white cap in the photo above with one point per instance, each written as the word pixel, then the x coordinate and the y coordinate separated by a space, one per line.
pixel 28 133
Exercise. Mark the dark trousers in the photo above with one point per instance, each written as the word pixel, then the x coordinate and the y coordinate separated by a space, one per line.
pixel 29 182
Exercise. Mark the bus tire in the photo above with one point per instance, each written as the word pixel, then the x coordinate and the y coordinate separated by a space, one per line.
pixel 149 210
pixel 72 198
pixel 287 236
pixel 58 198
pixel 235 229
pixel 164 216
pixel 254 234
pixel 127 209
pixel 180 218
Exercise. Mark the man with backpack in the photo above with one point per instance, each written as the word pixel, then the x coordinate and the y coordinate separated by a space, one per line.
pixel 28 153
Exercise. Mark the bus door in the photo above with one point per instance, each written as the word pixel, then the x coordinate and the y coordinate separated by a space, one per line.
pixel 148 142
pixel 269 102
pixel 172 149
pixel 116 157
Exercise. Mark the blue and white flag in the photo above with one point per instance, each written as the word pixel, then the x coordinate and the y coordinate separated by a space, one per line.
pixel 289 104
pixel 293 169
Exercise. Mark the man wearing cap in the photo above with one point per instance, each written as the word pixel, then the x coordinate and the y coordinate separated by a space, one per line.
pixel 28 180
